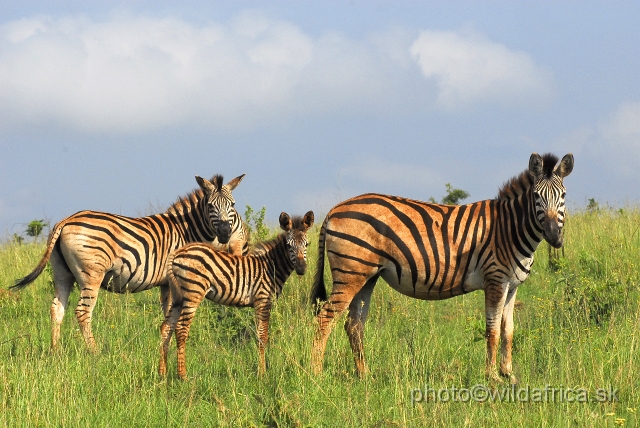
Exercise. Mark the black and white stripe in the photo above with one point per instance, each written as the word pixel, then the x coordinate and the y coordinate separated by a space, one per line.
pixel 432 252
pixel 123 254
pixel 198 270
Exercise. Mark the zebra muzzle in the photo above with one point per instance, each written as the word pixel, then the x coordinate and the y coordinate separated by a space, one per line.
pixel 553 233
pixel 300 266
pixel 224 232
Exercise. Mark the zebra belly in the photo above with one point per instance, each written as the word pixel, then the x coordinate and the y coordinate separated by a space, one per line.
pixel 224 299
pixel 434 290
pixel 120 279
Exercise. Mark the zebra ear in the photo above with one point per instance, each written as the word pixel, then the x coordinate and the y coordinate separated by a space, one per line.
pixel 285 222
pixel 535 165
pixel 205 185
pixel 233 183
pixel 566 166
pixel 308 219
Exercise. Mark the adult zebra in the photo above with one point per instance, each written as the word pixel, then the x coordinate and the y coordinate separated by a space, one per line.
pixel 124 254
pixel 197 269
pixel 432 252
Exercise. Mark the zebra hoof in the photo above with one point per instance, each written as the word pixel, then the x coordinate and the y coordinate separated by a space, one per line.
pixel 494 377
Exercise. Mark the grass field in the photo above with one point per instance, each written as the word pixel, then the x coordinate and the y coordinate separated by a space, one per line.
pixel 577 333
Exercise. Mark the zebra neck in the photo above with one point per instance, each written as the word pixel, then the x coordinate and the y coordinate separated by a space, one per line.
pixel 532 218
pixel 189 216
pixel 520 223
pixel 278 263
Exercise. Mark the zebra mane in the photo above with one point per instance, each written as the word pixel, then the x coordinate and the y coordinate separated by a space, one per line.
pixel 515 186
pixel 266 246
pixel 218 181
pixel 549 161
pixel 521 183
pixel 189 202
pixel 297 223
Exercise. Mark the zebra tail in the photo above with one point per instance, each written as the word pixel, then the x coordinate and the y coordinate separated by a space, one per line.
pixel 319 291
pixel 51 242
pixel 174 286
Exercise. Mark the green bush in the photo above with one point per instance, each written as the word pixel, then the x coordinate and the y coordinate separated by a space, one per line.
pixel 257 227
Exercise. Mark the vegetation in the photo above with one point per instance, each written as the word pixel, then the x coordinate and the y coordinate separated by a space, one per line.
pixel 577 326
pixel 35 228
pixel 453 196
pixel 257 227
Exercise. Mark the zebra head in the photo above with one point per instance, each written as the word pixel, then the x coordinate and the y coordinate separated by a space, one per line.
pixel 549 193
pixel 220 205
pixel 296 238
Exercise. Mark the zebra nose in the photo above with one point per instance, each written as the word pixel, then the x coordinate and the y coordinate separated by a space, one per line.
pixel 224 232
pixel 301 266
pixel 552 233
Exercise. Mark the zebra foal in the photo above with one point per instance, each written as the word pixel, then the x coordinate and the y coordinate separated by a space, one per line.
pixel 432 252
pixel 124 254
pixel 198 270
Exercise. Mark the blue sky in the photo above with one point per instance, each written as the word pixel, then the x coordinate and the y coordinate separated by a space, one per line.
pixel 117 106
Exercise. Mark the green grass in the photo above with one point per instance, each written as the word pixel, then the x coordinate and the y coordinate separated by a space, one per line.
pixel 577 326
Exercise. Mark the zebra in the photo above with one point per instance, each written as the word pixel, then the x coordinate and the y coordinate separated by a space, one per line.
pixel 432 252
pixel 254 280
pixel 123 254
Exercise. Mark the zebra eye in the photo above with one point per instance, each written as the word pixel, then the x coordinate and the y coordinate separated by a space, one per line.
pixel 564 194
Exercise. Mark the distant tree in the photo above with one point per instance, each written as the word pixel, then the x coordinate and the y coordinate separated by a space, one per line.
pixel 453 196
pixel 35 228
pixel 593 205
pixel 17 239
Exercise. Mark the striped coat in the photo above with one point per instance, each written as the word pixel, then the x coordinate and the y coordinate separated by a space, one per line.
pixel 430 251
pixel 196 270
pixel 123 254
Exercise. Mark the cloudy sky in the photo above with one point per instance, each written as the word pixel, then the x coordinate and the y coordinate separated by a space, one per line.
pixel 117 106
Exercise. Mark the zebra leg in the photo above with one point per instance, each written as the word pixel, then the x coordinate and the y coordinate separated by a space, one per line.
pixel 167 329
pixel 88 297
pixel 63 281
pixel 187 312
pixel 341 296
pixel 507 336
pixel 165 298
pixel 329 311
pixel 354 326
pixel 494 300
pixel 263 313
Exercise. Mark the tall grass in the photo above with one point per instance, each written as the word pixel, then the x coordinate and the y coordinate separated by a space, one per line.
pixel 577 326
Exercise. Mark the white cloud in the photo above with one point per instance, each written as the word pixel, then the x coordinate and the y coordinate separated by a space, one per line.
pixel 470 69
pixel 136 74
pixel 613 141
